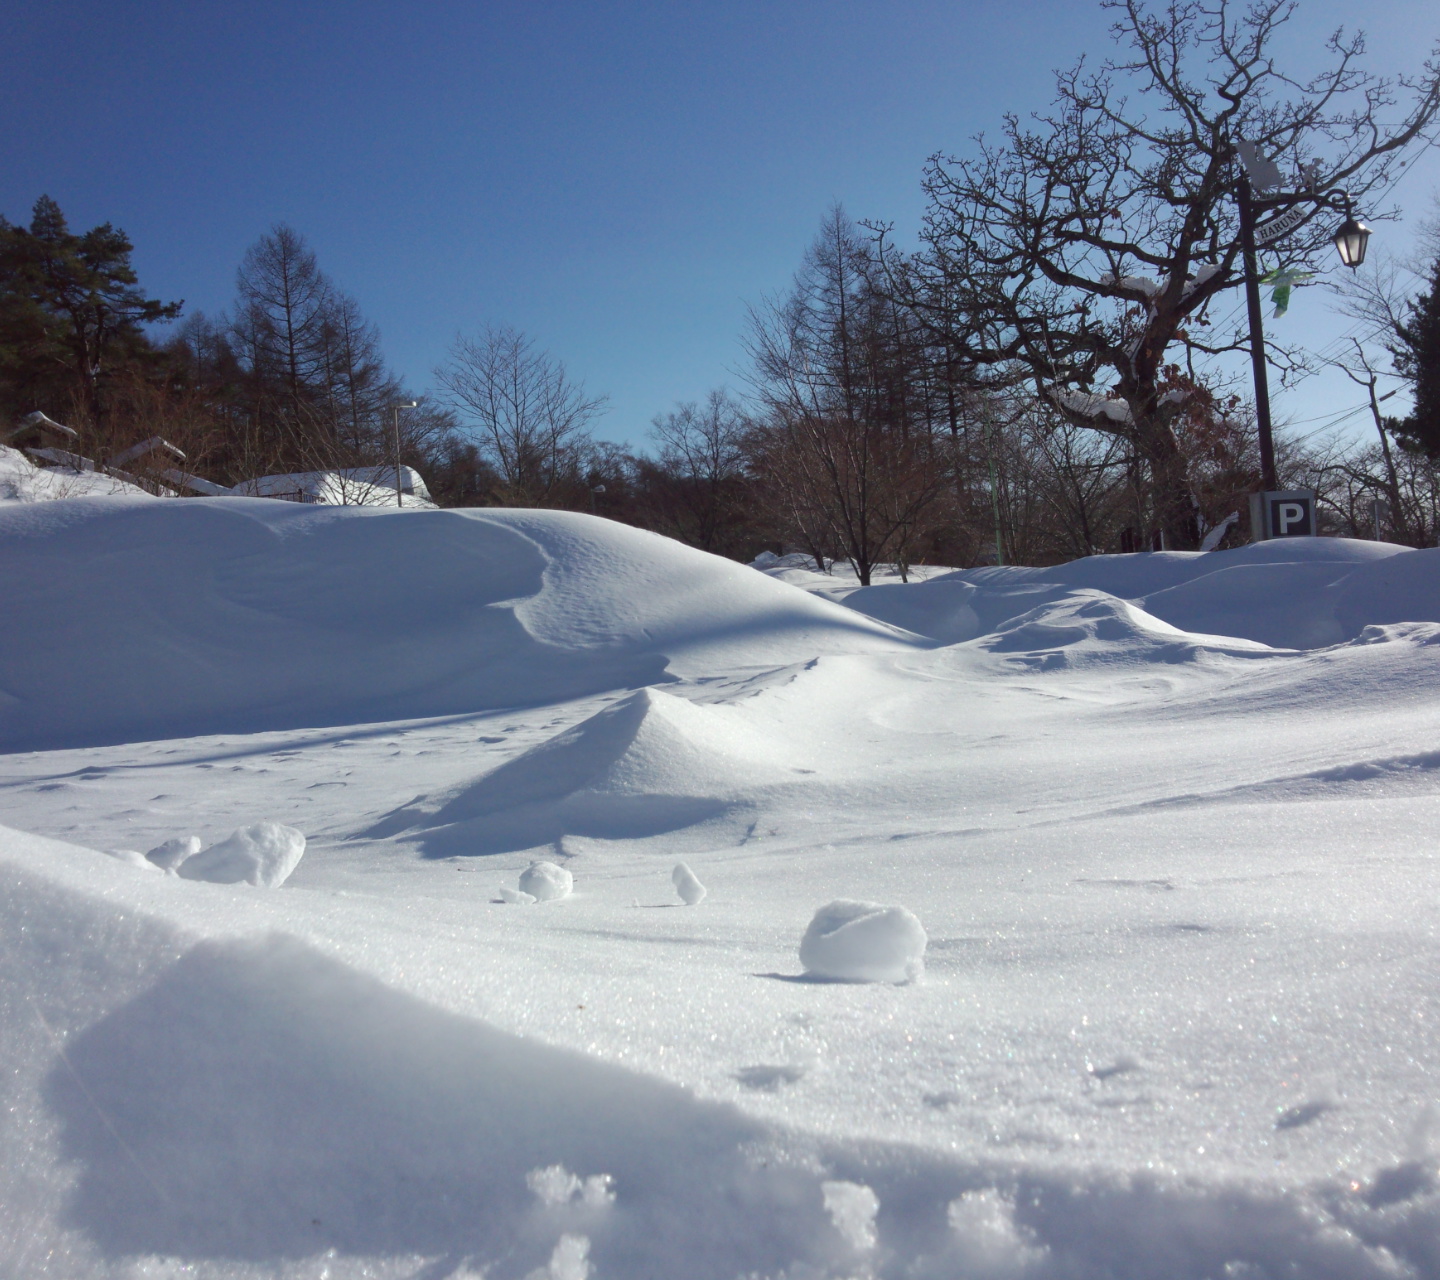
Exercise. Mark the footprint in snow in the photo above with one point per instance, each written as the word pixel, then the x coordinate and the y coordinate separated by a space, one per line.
pixel 1297 1117
pixel 765 1078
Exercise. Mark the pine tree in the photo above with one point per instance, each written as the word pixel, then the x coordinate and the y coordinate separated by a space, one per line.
pixel 1417 357
pixel 71 314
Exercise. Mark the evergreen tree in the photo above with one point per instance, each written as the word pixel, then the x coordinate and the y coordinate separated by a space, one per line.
pixel 1417 357
pixel 71 315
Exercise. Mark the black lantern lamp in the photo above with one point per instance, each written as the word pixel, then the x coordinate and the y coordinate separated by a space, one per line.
pixel 1350 240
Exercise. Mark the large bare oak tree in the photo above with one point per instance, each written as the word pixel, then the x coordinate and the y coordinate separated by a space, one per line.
pixel 1081 250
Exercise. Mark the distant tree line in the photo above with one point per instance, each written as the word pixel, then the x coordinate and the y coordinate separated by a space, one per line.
pixel 1035 382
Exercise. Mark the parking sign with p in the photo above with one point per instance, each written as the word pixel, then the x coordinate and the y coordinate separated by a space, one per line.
pixel 1284 515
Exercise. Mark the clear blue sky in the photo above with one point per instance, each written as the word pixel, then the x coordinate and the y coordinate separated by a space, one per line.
pixel 617 179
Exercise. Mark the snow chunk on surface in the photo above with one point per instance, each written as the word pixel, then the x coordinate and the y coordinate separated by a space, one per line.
pixel 864 942
pixel 687 885
pixel 172 853
pixel 263 855
pixel 515 898
pixel 556 1185
pixel 133 858
pixel 570 1261
pixel 852 1207
pixel 987 1239
pixel 545 882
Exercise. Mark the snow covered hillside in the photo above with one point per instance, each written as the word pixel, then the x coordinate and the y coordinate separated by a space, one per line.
pixel 582 845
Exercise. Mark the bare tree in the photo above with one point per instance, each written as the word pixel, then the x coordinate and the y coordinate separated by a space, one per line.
pixel 281 317
pixel 1090 240
pixel 530 421
pixel 697 484
pixel 842 444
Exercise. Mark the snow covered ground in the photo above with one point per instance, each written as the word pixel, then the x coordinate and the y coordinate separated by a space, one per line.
pixel 1166 823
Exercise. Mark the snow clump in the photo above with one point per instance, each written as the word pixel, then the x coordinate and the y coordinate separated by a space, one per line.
pixel 687 885
pixel 852 1207
pixel 133 858
pixel 515 898
pixel 556 1185
pixel 864 942
pixel 172 853
pixel 263 855
pixel 570 1261
pixel 987 1241
pixel 544 881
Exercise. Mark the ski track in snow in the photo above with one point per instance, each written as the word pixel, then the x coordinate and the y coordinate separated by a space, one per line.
pixel 1179 1012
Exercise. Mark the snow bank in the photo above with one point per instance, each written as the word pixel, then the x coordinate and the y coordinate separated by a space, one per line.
pixel 263 855
pixel 863 942
pixel 237 614
pixel 1088 627
pixel 1296 593
pixel 21 481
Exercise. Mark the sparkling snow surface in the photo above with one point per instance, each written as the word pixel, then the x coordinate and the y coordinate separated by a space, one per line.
pixel 1180 1010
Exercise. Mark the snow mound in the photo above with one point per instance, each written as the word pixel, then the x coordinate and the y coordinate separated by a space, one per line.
pixel 1295 593
pixel 1085 627
pixel 246 614
pixel 263 855
pixel 545 882
pixel 651 762
pixel 687 885
pixel 864 942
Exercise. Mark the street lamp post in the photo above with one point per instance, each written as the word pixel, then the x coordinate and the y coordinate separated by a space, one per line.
pixel 1349 240
pixel 402 404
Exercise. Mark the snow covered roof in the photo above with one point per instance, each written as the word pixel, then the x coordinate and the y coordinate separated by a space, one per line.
pixel 153 445
pixel 38 421
pixel 348 486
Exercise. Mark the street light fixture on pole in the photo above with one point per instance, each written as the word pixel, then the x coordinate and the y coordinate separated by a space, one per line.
pixel 1349 240
pixel 402 404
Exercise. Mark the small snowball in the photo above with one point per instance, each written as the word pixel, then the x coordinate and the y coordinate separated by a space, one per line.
pixel 864 942
pixel 134 858
pixel 687 885
pixel 263 855
pixel 172 853
pixel 515 898
pixel 852 1207
pixel 544 881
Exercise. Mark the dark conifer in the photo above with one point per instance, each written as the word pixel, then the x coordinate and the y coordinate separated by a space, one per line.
pixel 1417 357
pixel 71 314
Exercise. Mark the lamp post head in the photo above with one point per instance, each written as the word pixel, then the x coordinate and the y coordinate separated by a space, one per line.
pixel 1350 241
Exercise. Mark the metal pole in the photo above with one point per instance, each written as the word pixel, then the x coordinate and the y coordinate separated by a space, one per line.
pixel 995 505
pixel 1268 480
pixel 399 496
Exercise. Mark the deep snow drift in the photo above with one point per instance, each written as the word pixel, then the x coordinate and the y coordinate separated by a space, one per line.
pixel 1159 829
pixel 163 619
